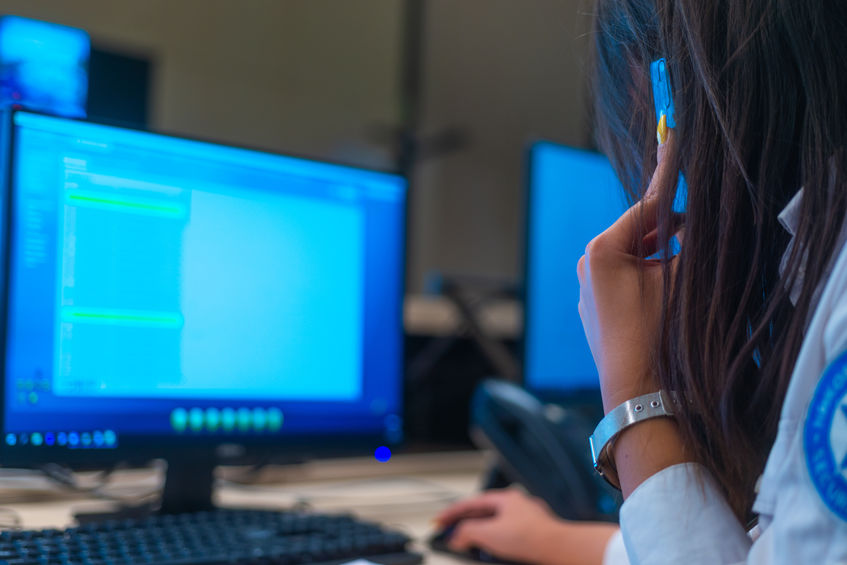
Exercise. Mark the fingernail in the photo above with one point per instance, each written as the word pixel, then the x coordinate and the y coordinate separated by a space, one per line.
pixel 662 130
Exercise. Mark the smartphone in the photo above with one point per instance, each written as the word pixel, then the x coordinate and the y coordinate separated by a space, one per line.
pixel 663 102
pixel 662 97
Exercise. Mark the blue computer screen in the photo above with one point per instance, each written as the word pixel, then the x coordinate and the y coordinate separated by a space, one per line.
pixel 161 286
pixel 43 66
pixel 573 196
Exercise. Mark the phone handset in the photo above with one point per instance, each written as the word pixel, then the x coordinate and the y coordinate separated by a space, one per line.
pixel 662 99
pixel 666 118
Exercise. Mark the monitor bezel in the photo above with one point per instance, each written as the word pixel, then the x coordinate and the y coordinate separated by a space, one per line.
pixel 141 449
pixel 575 395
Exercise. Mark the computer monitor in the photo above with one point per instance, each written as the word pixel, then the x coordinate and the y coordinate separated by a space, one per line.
pixel 187 300
pixel 43 66
pixel 572 196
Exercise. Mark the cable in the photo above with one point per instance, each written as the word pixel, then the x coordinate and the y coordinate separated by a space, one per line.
pixel 67 479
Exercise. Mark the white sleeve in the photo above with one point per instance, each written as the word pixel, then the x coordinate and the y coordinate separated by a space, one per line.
pixel 679 516
pixel 615 553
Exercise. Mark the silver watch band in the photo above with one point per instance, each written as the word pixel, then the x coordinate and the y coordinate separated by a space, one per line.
pixel 645 407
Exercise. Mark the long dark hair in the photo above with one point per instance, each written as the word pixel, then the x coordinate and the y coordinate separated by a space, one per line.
pixel 760 88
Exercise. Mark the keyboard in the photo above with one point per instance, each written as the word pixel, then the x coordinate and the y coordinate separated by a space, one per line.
pixel 242 537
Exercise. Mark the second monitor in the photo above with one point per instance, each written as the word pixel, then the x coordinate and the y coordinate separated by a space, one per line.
pixel 572 196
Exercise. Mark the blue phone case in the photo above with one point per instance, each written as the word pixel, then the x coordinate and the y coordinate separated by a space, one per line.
pixel 663 101
pixel 662 97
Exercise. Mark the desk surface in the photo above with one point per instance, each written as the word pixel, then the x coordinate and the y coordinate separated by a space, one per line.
pixel 404 493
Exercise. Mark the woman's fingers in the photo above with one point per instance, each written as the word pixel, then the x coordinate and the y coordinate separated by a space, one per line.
pixel 480 506
pixel 519 527
pixel 640 220
pixel 651 243
pixel 474 533
pixel 661 164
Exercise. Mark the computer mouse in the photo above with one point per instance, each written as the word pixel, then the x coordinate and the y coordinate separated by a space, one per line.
pixel 439 540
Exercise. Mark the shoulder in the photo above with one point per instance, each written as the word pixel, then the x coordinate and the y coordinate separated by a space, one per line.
pixel 824 342
pixel 806 475
pixel 824 432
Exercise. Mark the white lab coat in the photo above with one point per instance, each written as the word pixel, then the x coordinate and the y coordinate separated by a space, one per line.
pixel 674 518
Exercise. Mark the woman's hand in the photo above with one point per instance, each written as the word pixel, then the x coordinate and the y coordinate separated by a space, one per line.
pixel 620 303
pixel 511 525
pixel 620 299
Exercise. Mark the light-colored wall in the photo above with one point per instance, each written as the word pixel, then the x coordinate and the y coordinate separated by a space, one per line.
pixel 307 76
pixel 509 71
pixel 314 77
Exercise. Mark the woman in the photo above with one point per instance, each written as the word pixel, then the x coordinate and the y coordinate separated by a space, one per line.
pixel 747 325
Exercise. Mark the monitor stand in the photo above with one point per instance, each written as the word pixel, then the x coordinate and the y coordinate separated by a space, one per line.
pixel 189 484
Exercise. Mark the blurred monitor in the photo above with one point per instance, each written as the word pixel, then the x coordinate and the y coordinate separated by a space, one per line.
pixel 168 297
pixel 43 66
pixel 573 195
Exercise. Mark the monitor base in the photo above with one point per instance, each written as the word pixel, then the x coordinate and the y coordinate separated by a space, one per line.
pixel 188 488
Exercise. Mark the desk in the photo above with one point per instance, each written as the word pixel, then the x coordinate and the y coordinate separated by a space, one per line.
pixel 404 493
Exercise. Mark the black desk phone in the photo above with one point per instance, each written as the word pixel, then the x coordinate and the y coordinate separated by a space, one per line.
pixel 544 448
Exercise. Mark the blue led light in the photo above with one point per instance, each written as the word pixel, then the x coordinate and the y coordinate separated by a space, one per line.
pixel 196 417
pixel 179 419
pixel 110 438
pixel 245 419
pixel 62 439
pixel 260 418
pixel 228 419
pixel 37 439
pixel 275 419
pixel 85 439
pixel 99 440
pixel 213 419
pixel 73 439
pixel 11 439
pixel 382 454
pixel 50 438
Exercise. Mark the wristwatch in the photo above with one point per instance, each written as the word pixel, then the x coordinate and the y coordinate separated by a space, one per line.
pixel 654 405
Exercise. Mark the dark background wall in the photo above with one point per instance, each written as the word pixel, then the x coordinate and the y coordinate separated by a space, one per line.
pixel 318 77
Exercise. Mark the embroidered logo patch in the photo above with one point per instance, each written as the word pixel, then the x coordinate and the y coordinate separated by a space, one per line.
pixel 825 437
